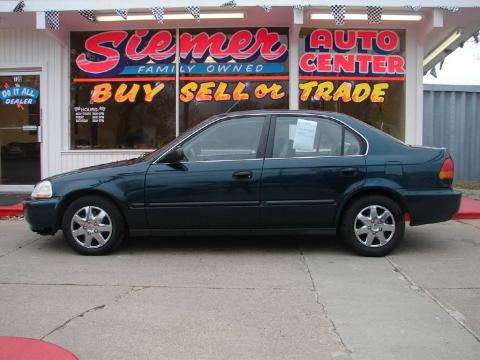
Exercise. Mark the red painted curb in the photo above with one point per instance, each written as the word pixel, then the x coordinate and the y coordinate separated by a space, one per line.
pixel 469 210
pixel 19 348
pixel 13 210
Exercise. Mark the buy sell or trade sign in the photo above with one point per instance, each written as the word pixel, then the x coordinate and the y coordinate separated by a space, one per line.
pixel 335 65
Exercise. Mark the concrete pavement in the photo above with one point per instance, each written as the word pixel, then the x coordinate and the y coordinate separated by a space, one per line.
pixel 246 298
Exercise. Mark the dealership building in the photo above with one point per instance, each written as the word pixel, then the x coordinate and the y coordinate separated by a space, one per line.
pixel 82 83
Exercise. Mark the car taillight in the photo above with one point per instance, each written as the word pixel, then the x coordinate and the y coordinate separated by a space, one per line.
pixel 447 170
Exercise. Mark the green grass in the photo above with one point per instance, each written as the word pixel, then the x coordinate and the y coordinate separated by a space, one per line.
pixel 467 184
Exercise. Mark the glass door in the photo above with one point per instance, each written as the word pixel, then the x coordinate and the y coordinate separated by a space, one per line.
pixel 19 129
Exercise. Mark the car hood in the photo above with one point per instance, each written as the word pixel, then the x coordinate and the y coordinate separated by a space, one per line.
pixel 111 165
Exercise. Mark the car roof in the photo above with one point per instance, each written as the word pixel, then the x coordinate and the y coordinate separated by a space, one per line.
pixel 358 125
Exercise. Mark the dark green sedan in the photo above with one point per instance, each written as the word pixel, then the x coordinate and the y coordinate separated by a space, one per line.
pixel 256 172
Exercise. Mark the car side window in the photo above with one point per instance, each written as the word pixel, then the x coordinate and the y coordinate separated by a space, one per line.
pixel 306 136
pixel 235 139
pixel 351 144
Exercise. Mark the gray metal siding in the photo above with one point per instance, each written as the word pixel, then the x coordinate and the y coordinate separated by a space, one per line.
pixel 451 118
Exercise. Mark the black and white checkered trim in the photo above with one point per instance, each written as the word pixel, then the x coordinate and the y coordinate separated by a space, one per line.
pixel 231 3
pixel 53 19
pixel 450 8
pixel 158 12
pixel 88 14
pixel 374 14
pixel 194 11
pixel 19 7
pixel 413 7
pixel 338 12
pixel 122 13
pixel 267 8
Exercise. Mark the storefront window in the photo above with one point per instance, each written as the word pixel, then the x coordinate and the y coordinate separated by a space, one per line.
pixel 356 72
pixel 122 89
pixel 225 70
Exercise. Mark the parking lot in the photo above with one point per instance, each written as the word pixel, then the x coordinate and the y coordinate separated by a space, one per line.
pixel 246 298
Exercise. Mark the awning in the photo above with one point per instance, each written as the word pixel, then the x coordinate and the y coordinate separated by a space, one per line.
pixel 74 5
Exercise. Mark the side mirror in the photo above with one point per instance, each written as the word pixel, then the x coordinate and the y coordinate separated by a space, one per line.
pixel 174 156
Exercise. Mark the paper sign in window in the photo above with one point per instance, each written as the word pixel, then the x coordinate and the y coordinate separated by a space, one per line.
pixel 305 135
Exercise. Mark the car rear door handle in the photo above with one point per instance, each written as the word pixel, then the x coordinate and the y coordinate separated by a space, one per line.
pixel 243 174
pixel 348 171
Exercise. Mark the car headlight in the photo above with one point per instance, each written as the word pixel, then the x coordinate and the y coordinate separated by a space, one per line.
pixel 43 190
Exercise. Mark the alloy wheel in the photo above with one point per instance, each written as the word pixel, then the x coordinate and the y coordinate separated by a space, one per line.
pixel 91 227
pixel 374 226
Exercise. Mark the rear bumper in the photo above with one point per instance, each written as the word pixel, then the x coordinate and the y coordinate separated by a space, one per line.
pixel 41 215
pixel 432 206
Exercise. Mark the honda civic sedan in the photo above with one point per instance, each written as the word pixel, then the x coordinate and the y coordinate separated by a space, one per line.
pixel 255 173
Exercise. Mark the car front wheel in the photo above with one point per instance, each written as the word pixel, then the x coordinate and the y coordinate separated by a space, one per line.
pixel 373 225
pixel 92 225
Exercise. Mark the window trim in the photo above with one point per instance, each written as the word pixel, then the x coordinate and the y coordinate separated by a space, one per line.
pixel 363 141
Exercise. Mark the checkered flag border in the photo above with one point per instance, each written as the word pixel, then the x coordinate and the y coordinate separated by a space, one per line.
pixel 450 8
pixel 20 7
pixel 158 12
pixel 231 4
pixel 267 8
pixel 413 7
pixel 123 13
pixel 338 12
pixel 88 14
pixel 53 19
pixel 194 11
pixel 374 14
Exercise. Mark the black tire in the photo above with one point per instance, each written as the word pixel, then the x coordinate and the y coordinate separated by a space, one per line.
pixel 114 218
pixel 361 206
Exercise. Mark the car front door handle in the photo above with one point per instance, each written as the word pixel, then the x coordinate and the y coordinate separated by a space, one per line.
pixel 244 174
pixel 348 171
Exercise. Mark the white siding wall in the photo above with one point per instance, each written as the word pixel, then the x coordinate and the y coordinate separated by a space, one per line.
pixel 36 50
pixel 78 159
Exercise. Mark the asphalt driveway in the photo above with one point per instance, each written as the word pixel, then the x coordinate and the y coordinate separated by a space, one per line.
pixel 246 298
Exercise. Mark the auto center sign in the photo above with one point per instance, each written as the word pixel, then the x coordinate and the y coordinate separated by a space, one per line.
pixel 355 59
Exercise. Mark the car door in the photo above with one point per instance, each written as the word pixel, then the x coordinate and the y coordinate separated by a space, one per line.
pixel 310 163
pixel 217 184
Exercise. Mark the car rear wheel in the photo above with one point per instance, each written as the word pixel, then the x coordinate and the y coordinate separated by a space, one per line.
pixel 92 225
pixel 373 225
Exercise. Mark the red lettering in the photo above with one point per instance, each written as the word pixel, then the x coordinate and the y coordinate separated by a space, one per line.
pixel 379 64
pixel 367 36
pixel 345 63
pixel 94 44
pixel 347 44
pixel 159 47
pixel 387 40
pixel 321 38
pixel 242 45
pixel 363 61
pixel 324 62
pixel 396 64
pixel 307 62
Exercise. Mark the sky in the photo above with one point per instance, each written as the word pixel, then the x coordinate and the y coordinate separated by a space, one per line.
pixel 461 67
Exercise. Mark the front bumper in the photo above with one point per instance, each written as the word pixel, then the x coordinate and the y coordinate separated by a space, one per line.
pixel 42 215
pixel 432 206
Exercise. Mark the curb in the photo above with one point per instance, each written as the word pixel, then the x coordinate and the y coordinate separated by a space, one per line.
pixel 12 210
